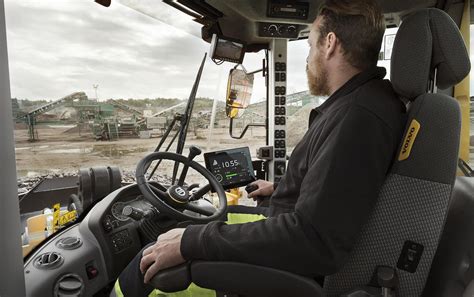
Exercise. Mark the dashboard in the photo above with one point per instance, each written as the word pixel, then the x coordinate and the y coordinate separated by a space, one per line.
pixel 84 258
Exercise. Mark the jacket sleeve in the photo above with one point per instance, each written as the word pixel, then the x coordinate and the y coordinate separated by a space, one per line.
pixel 337 194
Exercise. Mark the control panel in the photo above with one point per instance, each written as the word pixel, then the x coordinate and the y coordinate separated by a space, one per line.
pixel 280 119
pixel 277 114
pixel 121 240
pixel 276 30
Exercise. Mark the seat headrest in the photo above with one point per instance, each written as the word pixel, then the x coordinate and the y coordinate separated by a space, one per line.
pixel 427 39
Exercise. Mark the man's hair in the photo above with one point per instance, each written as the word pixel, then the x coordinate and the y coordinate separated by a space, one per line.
pixel 359 26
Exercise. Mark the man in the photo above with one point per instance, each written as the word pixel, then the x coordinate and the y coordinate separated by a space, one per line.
pixel 334 173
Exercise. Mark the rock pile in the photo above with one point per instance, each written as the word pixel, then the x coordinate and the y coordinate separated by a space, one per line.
pixel 25 184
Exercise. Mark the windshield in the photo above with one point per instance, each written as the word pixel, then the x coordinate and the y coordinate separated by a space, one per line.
pixel 97 87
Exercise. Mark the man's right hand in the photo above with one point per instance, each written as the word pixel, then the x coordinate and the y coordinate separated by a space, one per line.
pixel 265 189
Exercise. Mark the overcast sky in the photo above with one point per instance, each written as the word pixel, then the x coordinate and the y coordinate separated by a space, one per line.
pixel 60 47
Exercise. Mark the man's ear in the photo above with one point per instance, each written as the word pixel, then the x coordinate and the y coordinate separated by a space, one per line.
pixel 331 44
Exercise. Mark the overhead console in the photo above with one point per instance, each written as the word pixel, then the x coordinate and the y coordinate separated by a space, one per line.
pixel 248 25
pixel 284 10
pixel 287 9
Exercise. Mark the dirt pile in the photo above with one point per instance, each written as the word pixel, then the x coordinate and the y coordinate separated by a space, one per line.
pixel 298 125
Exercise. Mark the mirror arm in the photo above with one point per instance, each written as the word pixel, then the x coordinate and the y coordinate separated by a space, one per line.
pixel 231 124
pixel 256 71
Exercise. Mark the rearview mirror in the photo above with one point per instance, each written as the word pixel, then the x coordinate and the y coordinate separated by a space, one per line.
pixel 239 91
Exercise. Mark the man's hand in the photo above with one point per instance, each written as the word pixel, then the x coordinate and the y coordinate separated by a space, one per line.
pixel 265 188
pixel 165 253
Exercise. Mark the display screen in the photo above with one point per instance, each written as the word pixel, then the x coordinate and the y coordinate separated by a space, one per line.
pixel 232 168
pixel 227 50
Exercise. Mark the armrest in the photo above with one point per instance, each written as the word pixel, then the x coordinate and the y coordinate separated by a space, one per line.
pixel 237 278
pixel 252 280
pixel 173 279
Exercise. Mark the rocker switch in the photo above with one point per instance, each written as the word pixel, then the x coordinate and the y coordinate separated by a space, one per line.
pixel 92 272
pixel 410 256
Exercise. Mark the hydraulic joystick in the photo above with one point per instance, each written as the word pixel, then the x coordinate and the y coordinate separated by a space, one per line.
pixel 193 152
pixel 250 188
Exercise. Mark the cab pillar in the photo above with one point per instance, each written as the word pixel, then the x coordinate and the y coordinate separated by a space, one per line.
pixel 277 70
pixel 12 279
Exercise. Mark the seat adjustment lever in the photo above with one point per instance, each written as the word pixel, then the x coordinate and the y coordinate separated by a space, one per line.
pixel 387 279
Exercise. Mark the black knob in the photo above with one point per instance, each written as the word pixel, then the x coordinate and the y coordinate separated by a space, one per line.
pixel 282 30
pixel 251 188
pixel 291 29
pixel 272 29
pixel 193 152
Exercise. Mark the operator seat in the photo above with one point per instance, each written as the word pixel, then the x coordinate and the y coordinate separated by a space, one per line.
pixel 404 228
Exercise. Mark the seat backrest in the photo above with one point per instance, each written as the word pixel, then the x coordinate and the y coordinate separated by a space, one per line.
pixel 404 227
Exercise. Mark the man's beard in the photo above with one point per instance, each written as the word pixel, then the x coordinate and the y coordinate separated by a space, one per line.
pixel 318 83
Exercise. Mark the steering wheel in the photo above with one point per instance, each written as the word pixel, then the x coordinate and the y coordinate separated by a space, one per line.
pixel 177 198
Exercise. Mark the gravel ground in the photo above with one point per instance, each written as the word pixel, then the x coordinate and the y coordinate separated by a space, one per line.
pixel 27 183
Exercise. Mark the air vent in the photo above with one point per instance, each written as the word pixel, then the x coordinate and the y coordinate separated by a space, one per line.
pixel 69 243
pixel 49 260
pixel 69 285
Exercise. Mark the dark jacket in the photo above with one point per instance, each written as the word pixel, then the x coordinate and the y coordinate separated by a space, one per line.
pixel 332 181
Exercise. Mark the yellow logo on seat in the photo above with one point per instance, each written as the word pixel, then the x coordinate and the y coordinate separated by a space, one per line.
pixel 409 140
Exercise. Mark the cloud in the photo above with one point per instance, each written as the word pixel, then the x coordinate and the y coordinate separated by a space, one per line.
pixel 56 48
pixel 59 47
pixel 131 50
pixel 297 53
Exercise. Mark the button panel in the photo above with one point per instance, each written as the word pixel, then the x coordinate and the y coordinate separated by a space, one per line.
pixel 280 120
pixel 107 224
pixel 279 144
pixel 410 256
pixel 121 240
pixel 279 66
pixel 280 134
pixel 280 154
pixel 280 90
